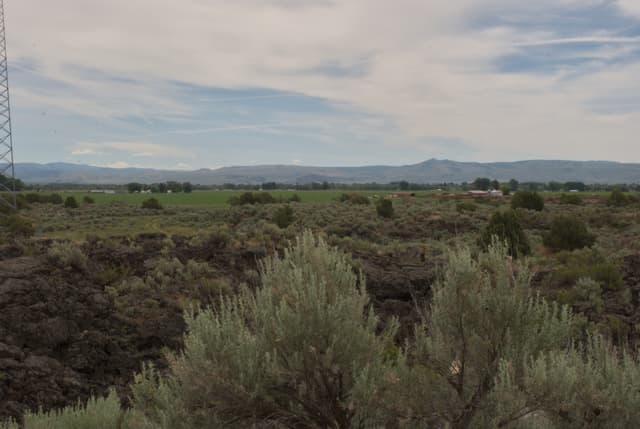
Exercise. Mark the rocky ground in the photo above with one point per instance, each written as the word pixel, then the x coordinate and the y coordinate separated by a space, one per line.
pixel 64 336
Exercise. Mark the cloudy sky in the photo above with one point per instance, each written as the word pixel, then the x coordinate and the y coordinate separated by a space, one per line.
pixel 208 83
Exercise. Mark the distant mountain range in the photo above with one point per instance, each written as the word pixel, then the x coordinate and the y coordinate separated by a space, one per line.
pixel 431 171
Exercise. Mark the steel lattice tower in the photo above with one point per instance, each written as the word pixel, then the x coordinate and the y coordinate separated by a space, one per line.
pixel 7 169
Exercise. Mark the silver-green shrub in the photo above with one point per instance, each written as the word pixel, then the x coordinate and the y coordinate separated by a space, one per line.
pixel 483 315
pixel 100 413
pixel 302 351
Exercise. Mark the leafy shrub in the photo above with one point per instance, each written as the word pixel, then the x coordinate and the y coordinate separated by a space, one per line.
pixel 55 199
pixel 300 352
pixel 587 263
pixel 506 226
pixel 283 217
pixel 16 226
pixel 88 200
pixel 356 199
pixel 152 204
pixel 571 199
pixel 527 200
pixel 384 208
pixel 67 255
pixel 466 206
pixel 71 203
pixel 568 233
pixel 252 198
pixel 294 198
pixel 618 199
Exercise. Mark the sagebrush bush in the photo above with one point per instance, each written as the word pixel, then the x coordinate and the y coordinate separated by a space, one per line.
pixel 300 352
pixel 88 200
pixel 527 200
pixel 483 315
pixel 15 226
pixel 568 233
pixel 97 413
pixel 67 255
pixel 506 226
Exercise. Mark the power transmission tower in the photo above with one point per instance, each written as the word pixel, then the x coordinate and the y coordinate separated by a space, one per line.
pixel 7 169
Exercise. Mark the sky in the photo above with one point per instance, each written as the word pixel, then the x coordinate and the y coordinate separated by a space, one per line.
pixel 208 83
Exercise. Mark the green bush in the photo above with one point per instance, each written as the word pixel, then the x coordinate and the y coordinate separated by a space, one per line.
pixel 252 198
pixel 152 204
pixel 88 200
pixel 466 206
pixel 283 217
pixel 587 263
pixel 618 199
pixel 56 199
pixel 384 208
pixel 302 351
pixel 571 199
pixel 506 226
pixel 568 233
pixel 527 200
pixel 356 199
pixel 295 198
pixel 71 203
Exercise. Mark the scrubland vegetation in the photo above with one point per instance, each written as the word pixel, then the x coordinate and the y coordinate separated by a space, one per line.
pixel 367 311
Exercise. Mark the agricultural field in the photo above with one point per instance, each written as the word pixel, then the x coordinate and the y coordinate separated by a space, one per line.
pixel 105 285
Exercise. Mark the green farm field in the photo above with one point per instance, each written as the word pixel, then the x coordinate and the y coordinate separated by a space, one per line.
pixel 215 198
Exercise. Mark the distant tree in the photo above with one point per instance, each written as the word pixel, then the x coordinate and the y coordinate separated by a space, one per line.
pixel 187 187
pixel 134 187
pixel 555 186
pixel 482 183
pixel 71 203
pixel 513 185
pixel 162 188
pixel 527 200
pixel 269 186
pixel 403 185
pixel 174 187
pixel 578 186
pixel 495 184
pixel 325 185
